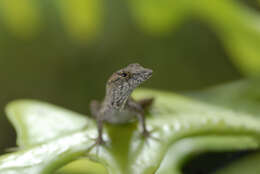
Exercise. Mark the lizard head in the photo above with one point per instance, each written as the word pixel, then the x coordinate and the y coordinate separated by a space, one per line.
pixel 131 76
pixel 124 81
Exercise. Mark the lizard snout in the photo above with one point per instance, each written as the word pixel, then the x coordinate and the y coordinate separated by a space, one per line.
pixel 147 73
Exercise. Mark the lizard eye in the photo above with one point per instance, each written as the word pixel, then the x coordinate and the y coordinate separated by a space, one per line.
pixel 124 74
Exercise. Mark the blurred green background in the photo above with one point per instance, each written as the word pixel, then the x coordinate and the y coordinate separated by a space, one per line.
pixel 63 51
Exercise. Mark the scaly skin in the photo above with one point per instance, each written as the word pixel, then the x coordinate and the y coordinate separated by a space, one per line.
pixel 118 106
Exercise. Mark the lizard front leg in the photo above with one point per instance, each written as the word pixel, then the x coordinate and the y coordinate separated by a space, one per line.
pixel 141 119
pixel 99 139
pixel 137 108
pixel 95 108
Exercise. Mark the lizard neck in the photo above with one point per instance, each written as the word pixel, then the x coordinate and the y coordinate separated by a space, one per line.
pixel 116 98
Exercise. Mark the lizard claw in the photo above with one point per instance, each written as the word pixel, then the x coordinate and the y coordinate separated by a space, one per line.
pixel 146 133
pixel 99 141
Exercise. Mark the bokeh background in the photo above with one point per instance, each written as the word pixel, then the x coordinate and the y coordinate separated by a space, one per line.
pixel 63 51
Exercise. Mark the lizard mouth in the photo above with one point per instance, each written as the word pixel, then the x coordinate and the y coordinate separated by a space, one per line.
pixel 147 73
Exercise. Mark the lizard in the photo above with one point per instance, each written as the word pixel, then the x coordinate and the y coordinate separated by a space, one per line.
pixel 118 107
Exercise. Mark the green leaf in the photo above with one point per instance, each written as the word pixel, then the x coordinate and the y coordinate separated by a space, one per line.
pixel 242 96
pixel 186 148
pixel 22 19
pixel 47 157
pixel 176 122
pixel 38 122
pixel 238 28
pixel 82 166
pixel 172 13
pixel 81 18
pixel 236 25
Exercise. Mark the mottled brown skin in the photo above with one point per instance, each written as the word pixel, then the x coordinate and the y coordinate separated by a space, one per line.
pixel 118 106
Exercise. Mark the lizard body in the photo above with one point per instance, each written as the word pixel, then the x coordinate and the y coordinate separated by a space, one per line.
pixel 118 106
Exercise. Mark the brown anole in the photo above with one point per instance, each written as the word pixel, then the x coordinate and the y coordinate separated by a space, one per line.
pixel 118 106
